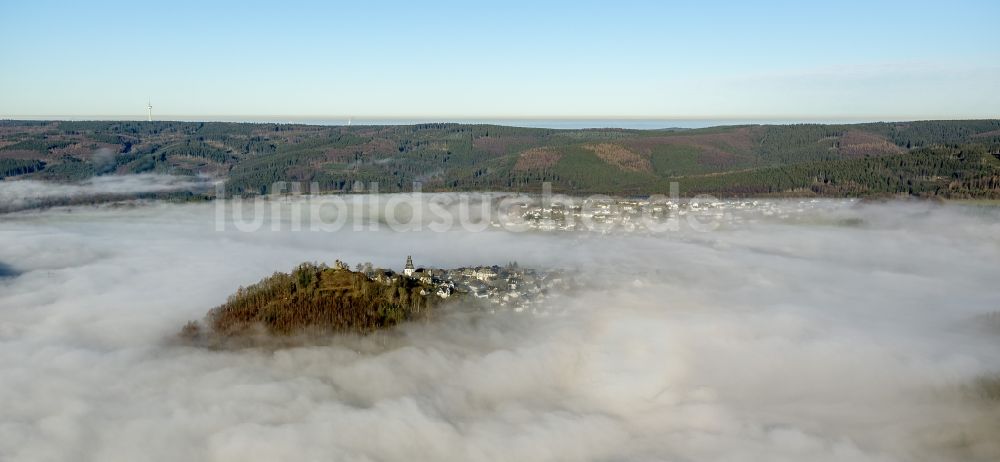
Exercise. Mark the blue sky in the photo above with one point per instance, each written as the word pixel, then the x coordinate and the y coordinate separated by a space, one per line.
pixel 704 59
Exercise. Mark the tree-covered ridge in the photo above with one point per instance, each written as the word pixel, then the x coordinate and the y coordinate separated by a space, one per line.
pixel 751 159
pixel 15 167
pixel 314 298
pixel 964 172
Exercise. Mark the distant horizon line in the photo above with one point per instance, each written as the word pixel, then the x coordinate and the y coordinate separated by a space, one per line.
pixel 578 123
pixel 886 118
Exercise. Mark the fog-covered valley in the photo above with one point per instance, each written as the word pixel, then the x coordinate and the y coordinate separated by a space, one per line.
pixel 820 330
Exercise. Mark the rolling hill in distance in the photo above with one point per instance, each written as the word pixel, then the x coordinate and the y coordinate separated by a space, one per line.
pixel 948 159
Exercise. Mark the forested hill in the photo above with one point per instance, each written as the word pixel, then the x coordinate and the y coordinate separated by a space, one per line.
pixel 930 158
pixel 314 298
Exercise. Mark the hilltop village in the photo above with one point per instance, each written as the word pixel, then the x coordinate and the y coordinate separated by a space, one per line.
pixel 315 299
pixel 507 286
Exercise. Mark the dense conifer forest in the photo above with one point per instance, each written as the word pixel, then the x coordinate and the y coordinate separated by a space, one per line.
pixel 950 159
pixel 314 298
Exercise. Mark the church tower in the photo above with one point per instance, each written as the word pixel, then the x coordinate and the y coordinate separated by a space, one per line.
pixel 408 269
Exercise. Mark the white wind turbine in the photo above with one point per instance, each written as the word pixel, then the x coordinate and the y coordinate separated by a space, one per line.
pixel 149 111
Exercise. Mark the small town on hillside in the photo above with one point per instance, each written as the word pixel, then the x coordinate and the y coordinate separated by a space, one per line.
pixel 638 214
pixel 509 285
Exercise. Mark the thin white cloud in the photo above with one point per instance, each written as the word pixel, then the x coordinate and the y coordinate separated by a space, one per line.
pixel 19 193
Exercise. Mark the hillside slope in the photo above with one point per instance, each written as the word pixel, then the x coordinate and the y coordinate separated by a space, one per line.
pixel 929 157
pixel 313 299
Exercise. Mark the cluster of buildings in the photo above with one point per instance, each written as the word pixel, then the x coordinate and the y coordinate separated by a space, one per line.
pixel 508 285
pixel 587 214
pixel 637 215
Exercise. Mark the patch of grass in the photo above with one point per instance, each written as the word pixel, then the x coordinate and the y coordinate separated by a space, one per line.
pixel 676 160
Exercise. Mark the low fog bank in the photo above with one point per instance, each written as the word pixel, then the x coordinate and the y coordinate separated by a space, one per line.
pixel 18 194
pixel 816 331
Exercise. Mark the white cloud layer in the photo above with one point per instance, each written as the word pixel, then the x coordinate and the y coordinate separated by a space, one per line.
pixel 793 337
pixel 19 193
